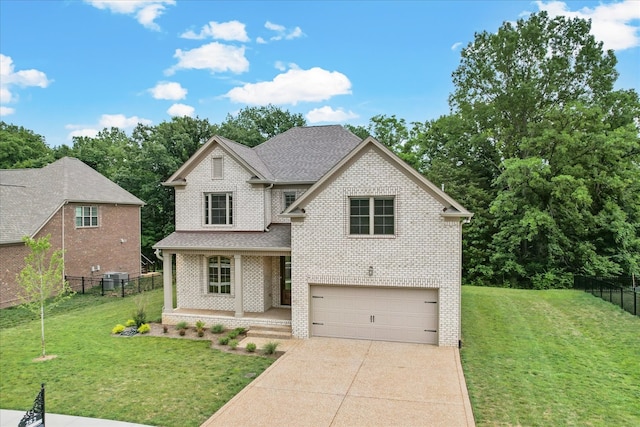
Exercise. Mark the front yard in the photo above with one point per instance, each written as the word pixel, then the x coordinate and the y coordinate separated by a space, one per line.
pixel 548 358
pixel 147 380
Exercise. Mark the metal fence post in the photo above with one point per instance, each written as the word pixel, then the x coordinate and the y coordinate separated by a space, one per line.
pixel 102 286
pixel 83 285
pixel 122 285
pixel 622 298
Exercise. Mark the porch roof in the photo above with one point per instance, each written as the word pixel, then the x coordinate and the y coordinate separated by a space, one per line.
pixel 278 238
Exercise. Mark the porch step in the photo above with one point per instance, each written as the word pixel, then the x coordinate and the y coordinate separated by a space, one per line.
pixel 270 331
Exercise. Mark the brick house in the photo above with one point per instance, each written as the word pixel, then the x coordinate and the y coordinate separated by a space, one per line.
pixel 318 230
pixel 95 221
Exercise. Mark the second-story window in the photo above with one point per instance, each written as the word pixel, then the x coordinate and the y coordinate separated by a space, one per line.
pixel 86 216
pixel 371 215
pixel 289 198
pixel 218 208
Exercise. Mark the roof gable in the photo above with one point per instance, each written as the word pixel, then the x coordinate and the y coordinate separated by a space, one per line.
pixel 31 196
pixel 452 208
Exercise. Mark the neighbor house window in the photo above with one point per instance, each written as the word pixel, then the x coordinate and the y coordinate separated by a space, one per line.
pixel 86 216
pixel 218 209
pixel 289 198
pixel 371 215
pixel 216 168
pixel 219 275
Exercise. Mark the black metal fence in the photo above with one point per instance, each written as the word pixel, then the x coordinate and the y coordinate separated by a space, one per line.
pixel 115 287
pixel 621 291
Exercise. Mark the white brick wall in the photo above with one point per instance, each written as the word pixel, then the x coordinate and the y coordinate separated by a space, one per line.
pixel 425 251
pixel 277 200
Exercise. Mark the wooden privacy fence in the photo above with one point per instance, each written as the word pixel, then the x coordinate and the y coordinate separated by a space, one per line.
pixel 621 291
pixel 115 287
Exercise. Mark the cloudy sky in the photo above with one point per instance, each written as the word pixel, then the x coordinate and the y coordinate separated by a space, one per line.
pixel 70 68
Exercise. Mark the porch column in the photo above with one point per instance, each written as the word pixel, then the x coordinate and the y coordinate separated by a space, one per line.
pixel 167 281
pixel 238 285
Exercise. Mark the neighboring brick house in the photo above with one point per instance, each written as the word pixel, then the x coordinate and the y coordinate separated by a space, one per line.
pixel 95 221
pixel 337 232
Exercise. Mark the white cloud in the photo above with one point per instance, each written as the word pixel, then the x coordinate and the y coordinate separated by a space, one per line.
pixel 229 31
pixel 260 40
pixel 456 45
pixel 294 86
pixel 328 114
pixel 282 32
pixel 180 110
pixel 145 11
pixel 215 57
pixel 88 132
pixel 615 24
pixel 168 90
pixel 23 78
pixel 106 121
pixel 6 111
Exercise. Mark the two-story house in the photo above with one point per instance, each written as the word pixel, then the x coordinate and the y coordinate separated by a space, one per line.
pixel 316 229
pixel 92 219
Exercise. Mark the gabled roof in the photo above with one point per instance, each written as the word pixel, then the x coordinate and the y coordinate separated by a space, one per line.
pixel 29 197
pixel 451 207
pixel 299 155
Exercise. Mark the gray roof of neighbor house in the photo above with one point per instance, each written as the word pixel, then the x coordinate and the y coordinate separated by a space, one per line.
pixel 277 239
pixel 301 154
pixel 29 197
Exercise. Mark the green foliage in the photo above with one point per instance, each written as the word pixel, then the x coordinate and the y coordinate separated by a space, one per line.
pixel 182 325
pixel 254 125
pixel 223 340
pixel 232 334
pixel 233 344
pixel 140 315
pixel 117 329
pixel 200 324
pixel 130 323
pixel 41 281
pixel 22 148
pixel 270 347
pixel 240 330
pixel 217 328
pixel 250 347
pixel 144 328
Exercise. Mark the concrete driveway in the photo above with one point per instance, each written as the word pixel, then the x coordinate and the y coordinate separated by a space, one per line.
pixel 338 382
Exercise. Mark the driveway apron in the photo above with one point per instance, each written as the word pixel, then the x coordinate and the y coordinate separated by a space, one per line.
pixel 338 382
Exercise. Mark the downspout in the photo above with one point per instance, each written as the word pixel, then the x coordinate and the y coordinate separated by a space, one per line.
pixel 64 205
pixel 157 253
pixel 264 198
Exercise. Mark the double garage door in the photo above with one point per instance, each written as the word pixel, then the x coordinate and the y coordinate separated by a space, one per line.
pixel 383 314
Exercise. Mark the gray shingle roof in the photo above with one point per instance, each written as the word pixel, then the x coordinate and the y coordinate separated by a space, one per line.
pixel 28 197
pixel 306 153
pixel 278 238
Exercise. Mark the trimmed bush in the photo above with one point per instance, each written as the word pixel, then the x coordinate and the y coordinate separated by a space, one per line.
pixel 144 328
pixel 240 331
pixel 217 329
pixel 223 340
pixel 232 334
pixel 117 329
pixel 233 344
pixel 251 347
pixel 130 323
pixel 181 326
pixel 199 325
pixel 270 347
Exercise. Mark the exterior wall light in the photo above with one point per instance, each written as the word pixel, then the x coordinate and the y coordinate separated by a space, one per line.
pixel 371 271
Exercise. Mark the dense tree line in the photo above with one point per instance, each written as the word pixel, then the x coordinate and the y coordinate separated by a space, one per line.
pixel 537 144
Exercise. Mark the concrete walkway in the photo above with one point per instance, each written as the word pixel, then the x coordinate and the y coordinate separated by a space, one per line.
pixel 10 418
pixel 335 382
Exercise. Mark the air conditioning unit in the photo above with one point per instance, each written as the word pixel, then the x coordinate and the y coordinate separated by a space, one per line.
pixel 113 278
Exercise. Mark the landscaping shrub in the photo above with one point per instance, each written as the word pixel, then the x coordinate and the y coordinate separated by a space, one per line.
pixel 199 325
pixel 251 347
pixel 232 334
pixel 270 347
pixel 140 315
pixel 130 323
pixel 117 329
pixel 181 326
pixel 223 340
pixel 233 344
pixel 144 328
pixel 217 329
pixel 240 331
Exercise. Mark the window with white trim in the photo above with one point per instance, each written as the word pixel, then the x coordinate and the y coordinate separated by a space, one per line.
pixel 86 216
pixel 219 277
pixel 371 215
pixel 289 198
pixel 218 208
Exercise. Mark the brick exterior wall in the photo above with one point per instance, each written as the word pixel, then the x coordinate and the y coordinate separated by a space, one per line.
pixel 277 201
pixel 425 251
pixel 84 247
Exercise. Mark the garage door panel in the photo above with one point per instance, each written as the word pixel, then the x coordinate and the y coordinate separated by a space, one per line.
pixel 389 314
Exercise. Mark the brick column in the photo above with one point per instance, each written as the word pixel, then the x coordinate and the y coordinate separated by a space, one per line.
pixel 167 281
pixel 237 268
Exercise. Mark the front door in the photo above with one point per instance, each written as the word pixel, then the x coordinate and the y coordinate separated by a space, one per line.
pixel 285 280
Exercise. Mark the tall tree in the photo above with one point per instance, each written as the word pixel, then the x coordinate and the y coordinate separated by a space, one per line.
pixel 22 148
pixel 548 149
pixel 42 280
pixel 254 125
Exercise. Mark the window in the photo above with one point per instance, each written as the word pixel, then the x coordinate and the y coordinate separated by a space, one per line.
pixel 361 221
pixel 219 275
pixel 218 209
pixel 86 216
pixel 216 168
pixel 289 198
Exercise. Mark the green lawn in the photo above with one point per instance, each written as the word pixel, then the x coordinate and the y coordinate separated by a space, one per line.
pixel 549 358
pixel 156 381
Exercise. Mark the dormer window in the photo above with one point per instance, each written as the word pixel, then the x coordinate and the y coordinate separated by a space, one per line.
pixel 289 198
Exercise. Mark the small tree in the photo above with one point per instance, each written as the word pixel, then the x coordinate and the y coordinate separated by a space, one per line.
pixel 42 280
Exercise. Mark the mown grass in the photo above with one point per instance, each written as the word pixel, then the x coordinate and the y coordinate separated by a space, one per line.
pixel 147 380
pixel 550 358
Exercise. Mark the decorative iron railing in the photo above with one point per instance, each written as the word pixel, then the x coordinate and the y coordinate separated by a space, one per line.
pixel 35 416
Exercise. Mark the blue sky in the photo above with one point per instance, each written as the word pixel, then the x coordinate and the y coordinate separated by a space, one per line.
pixel 70 68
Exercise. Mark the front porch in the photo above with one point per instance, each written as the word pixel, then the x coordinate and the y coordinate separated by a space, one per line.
pixel 279 316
